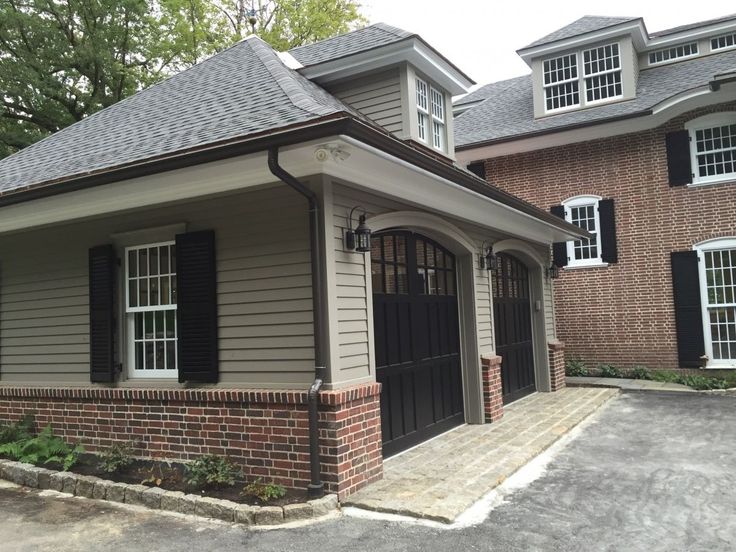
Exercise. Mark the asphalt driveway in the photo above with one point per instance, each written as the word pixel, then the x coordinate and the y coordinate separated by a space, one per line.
pixel 654 471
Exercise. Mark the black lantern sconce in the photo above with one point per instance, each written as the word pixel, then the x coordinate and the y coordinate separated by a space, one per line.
pixel 552 272
pixel 487 258
pixel 358 239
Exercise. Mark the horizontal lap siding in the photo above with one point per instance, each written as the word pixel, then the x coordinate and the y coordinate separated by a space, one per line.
pixel 263 292
pixel 378 97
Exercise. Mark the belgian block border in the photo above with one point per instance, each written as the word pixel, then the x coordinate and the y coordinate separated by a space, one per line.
pixel 159 499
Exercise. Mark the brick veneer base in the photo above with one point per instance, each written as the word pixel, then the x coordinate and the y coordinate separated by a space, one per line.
pixel 492 388
pixel 264 431
pixel 556 365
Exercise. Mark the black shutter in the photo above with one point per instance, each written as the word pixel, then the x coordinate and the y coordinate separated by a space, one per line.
pixel 678 158
pixel 196 311
pixel 607 232
pixel 559 249
pixel 688 313
pixel 478 168
pixel 102 265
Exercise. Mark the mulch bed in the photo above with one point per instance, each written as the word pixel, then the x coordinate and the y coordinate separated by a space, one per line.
pixel 170 476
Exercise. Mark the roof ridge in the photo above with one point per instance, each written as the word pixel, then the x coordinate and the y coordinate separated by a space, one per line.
pixel 379 25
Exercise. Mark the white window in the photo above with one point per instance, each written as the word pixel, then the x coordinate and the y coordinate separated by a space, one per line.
pixel 676 52
pixel 718 296
pixel 723 42
pixel 430 115
pixel 561 83
pixel 582 211
pixel 150 306
pixel 602 69
pixel 713 147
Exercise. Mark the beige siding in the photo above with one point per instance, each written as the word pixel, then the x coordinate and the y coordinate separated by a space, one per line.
pixel 376 96
pixel 264 290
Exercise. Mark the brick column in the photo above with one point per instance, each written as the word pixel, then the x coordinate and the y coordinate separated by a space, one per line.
pixel 492 389
pixel 556 365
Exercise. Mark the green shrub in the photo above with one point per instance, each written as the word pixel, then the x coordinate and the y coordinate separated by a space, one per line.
pixel 18 431
pixel 575 367
pixel 666 376
pixel 641 373
pixel 211 470
pixel 42 449
pixel 264 491
pixel 609 371
pixel 116 457
pixel 703 382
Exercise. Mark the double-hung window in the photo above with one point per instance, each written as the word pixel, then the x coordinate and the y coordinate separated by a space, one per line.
pixel 713 147
pixel 602 70
pixel 582 211
pixel 150 307
pixel 431 126
pixel 561 83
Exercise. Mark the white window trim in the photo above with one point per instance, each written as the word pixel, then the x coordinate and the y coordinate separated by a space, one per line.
pixel 581 78
pixel 580 201
pixel 429 116
pixel 676 58
pixel 723 48
pixel 129 322
pixel 701 123
pixel 702 247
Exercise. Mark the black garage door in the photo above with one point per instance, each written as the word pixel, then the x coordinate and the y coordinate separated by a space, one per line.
pixel 513 323
pixel 416 338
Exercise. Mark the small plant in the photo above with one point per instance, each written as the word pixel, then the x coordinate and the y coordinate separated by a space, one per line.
pixel 18 431
pixel 609 371
pixel 575 367
pixel 264 492
pixel 703 382
pixel 640 373
pixel 116 457
pixel 211 470
pixel 42 449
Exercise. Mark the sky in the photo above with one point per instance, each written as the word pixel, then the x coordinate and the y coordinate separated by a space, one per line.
pixel 481 37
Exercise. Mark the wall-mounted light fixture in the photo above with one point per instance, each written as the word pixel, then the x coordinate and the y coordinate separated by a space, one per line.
pixel 487 258
pixel 358 239
pixel 552 272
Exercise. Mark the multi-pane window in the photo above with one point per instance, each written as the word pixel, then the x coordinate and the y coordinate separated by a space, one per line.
pixel 723 42
pixel 435 268
pixel 422 109
pixel 720 294
pixel 667 54
pixel 715 151
pixel 602 71
pixel 561 84
pixel 438 118
pixel 430 114
pixel 389 264
pixel 150 279
pixel 582 211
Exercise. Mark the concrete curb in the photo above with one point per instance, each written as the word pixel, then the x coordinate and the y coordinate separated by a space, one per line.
pixel 158 499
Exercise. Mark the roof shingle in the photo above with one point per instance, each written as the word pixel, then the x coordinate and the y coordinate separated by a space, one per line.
pixel 586 24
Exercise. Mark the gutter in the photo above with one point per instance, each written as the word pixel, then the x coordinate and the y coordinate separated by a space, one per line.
pixel 315 489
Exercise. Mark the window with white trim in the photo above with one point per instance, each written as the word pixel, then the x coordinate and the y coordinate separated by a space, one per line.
pixel 713 147
pixel 431 126
pixel 561 83
pixel 602 69
pixel 723 42
pixel 582 211
pixel 718 292
pixel 150 307
pixel 676 52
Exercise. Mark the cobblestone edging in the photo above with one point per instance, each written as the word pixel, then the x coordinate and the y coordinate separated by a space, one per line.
pixel 159 499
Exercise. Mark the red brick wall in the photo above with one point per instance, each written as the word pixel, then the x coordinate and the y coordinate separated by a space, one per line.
pixel 492 388
pixel 556 365
pixel 264 431
pixel 623 314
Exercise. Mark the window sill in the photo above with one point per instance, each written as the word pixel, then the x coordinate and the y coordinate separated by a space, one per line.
pixel 586 265
pixel 727 180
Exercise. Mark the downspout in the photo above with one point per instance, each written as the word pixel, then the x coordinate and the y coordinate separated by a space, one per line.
pixel 315 489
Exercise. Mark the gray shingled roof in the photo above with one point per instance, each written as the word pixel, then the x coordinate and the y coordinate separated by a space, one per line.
pixel 586 24
pixel 243 90
pixel 690 26
pixel 488 90
pixel 350 43
pixel 507 112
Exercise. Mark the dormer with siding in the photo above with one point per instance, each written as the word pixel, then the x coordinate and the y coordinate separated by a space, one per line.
pixel 391 76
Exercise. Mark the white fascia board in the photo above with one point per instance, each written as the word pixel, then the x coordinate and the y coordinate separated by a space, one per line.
pixel 413 51
pixel 635 28
pixel 693 34
pixel 662 112
pixel 382 174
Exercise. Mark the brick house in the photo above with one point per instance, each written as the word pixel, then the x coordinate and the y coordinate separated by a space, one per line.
pixel 631 135
pixel 192 268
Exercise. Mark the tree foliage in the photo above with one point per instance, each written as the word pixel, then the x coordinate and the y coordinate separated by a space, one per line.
pixel 61 60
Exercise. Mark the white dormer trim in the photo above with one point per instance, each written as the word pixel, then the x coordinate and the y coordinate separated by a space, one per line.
pixel 413 51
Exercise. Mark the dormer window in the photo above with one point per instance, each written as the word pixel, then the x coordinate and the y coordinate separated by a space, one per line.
pixel 430 114
pixel 723 42
pixel 600 78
